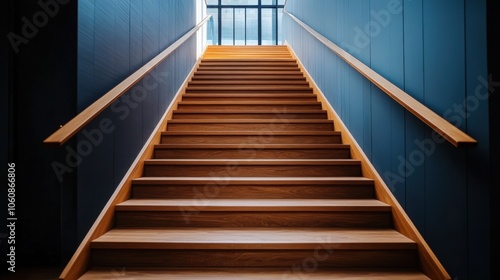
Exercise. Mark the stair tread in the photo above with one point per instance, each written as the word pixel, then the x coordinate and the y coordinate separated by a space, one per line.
pixel 256 180
pixel 252 161
pixel 264 121
pixel 255 205
pixel 252 146
pixel 248 82
pixel 252 111
pixel 253 95
pixel 254 238
pixel 250 274
pixel 271 76
pixel 256 133
pixel 249 72
pixel 249 103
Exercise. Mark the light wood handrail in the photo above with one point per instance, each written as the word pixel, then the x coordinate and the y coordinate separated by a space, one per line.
pixel 81 120
pixel 448 131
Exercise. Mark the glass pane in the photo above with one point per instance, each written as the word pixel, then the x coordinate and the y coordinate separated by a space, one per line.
pixel 268 26
pixel 252 27
pixel 280 26
pixel 213 27
pixel 239 27
pixel 227 26
pixel 268 2
pixel 240 2
pixel 281 2
pixel 212 2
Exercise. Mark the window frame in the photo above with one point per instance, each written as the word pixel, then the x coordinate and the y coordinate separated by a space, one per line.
pixel 259 8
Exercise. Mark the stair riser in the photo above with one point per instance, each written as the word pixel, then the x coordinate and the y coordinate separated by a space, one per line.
pixel 259 116
pixel 224 170
pixel 255 258
pixel 227 191
pixel 220 81
pixel 254 153
pixel 269 107
pixel 209 98
pixel 248 63
pixel 190 216
pixel 249 72
pixel 202 68
pixel 265 138
pixel 267 77
pixel 276 127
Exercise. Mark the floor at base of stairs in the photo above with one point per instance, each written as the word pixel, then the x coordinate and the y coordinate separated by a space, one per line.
pixel 250 274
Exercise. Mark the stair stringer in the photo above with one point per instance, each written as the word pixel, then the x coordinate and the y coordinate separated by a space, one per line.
pixel 428 262
pixel 78 264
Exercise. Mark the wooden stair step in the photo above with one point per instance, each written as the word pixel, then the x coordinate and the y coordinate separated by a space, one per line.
pixel 252 168
pixel 253 247
pixel 235 67
pixel 249 72
pixel 254 238
pixel 251 187
pixel 127 273
pixel 251 137
pixel 232 151
pixel 148 213
pixel 249 114
pixel 246 77
pixel 298 97
pixel 276 124
pixel 288 82
pixel 228 62
pixel 247 60
pixel 219 87
pixel 257 205
pixel 249 105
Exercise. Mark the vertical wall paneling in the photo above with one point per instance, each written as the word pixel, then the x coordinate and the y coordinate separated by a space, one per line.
pixel 415 130
pixel 478 189
pixel 115 39
pixel 444 67
pixel 434 50
pixel 385 34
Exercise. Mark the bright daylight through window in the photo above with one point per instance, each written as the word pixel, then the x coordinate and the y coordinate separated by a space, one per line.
pixel 245 22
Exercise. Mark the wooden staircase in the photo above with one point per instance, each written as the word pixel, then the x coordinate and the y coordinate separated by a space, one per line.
pixel 251 180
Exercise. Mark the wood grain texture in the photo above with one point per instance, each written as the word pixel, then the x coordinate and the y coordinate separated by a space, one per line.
pixel 254 238
pixel 250 168
pixel 252 137
pixel 188 216
pixel 298 97
pixel 255 151
pixel 252 188
pixel 249 274
pixel 209 258
pixel 250 114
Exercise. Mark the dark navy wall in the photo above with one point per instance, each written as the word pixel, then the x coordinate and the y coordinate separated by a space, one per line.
pixel 115 38
pixel 435 51
pixel 494 71
pixel 41 92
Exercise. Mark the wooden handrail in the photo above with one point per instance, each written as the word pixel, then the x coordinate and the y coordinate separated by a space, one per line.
pixel 448 131
pixel 81 120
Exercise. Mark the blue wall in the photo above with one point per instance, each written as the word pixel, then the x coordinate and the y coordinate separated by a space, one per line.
pixel 115 38
pixel 435 51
